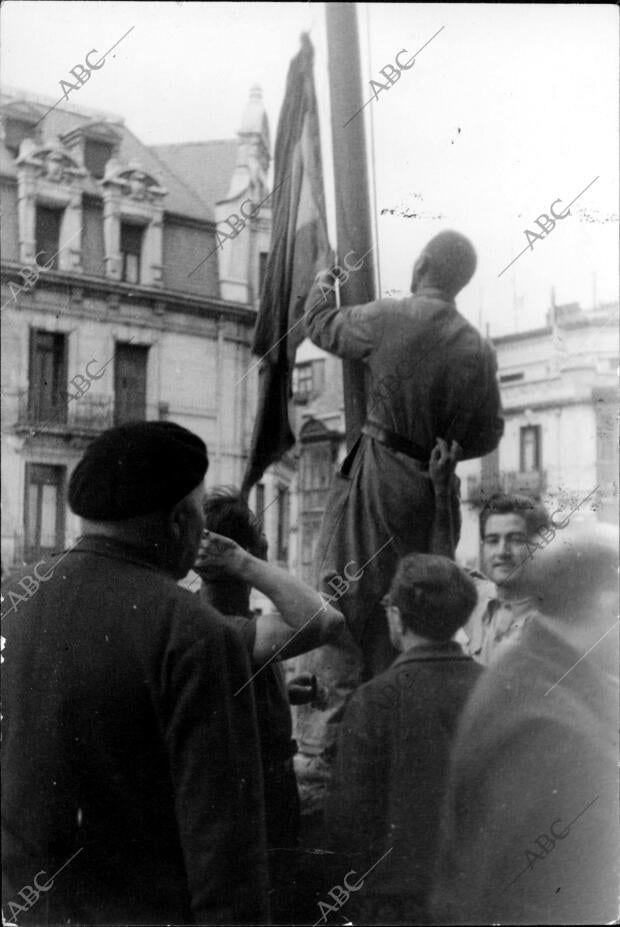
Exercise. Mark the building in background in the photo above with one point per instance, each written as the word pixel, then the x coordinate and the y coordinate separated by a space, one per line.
pixel 320 428
pixel 138 314
pixel 559 392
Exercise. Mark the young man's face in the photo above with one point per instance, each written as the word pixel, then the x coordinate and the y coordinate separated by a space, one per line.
pixel 504 549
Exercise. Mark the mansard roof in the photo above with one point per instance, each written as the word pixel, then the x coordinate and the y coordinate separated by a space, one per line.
pixel 205 167
pixel 224 169
pixel 65 120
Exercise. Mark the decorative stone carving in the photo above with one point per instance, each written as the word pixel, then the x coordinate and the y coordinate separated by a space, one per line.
pixel 51 162
pixel 133 181
pixel 54 167
pixel 137 185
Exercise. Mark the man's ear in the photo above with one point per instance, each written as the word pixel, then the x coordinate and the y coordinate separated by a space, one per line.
pixel 176 520
pixel 395 620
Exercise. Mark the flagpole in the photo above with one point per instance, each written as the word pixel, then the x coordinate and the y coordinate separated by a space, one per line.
pixel 353 218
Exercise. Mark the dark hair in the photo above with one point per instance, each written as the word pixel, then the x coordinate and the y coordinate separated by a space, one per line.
pixel 434 595
pixel 227 513
pixel 532 511
pixel 452 261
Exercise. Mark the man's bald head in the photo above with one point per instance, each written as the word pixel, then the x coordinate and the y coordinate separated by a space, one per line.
pixel 448 262
pixel 576 577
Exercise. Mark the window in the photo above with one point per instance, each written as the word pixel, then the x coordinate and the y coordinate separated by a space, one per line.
pixel 93 246
pixel 489 473
pixel 511 377
pixel 310 533
pixel 606 447
pixel 308 379
pixel 302 380
pixel 315 475
pixel 96 156
pixel 263 257
pixel 47 376
pixel 47 235
pixel 283 523
pixel 15 132
pixel 260 501
pixel 530 448
pixel 131 252
pixel 44 510
pixel 130 383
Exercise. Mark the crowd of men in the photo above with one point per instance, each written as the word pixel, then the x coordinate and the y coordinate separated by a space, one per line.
pixel 465 722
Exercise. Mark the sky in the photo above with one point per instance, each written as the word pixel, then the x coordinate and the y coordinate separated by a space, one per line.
pixel 509 108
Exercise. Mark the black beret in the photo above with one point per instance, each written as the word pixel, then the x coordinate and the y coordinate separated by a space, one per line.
pixel 136 469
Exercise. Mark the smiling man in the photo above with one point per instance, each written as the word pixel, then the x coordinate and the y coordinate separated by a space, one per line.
pixel 510 530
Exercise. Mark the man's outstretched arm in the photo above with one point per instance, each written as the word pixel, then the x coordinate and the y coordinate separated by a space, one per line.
pixel 352 331
pixel 305 620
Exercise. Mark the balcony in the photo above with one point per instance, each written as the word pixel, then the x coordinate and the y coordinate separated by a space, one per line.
pixel 514 482
pixel 86 415
pixel 532 482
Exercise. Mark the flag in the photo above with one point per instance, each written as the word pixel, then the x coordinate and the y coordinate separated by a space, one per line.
pixel 299 249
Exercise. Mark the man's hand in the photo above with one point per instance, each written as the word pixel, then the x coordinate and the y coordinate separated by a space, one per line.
pixel 442 465
pixel 217 555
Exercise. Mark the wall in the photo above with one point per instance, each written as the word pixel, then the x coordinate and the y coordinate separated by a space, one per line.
pixel 185 246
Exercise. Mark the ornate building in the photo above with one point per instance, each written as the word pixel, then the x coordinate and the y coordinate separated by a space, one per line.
pixel 121 300
pixel 560 444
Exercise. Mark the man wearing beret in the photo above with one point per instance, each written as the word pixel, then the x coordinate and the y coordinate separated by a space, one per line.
pixel 131 770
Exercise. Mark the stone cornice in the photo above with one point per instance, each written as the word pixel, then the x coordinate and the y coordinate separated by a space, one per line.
pixel 173 300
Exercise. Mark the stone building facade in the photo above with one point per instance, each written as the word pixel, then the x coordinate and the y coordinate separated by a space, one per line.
pixel 120 301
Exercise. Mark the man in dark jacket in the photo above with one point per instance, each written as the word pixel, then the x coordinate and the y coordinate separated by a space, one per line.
pixel 131 775
pixel 393 751
pixel 430 375
pixel 530 831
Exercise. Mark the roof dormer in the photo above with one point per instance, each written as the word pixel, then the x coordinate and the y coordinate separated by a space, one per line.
pixel 95 144
pixel 20 121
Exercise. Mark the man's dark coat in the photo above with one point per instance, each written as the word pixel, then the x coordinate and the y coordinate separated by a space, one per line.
pixel 530 831
pixel 123 742
pixel 389 778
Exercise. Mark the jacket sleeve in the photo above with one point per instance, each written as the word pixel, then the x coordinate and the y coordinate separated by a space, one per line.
pixel 212 741
pixel 486 426
pixel 351 332
pixel 354 809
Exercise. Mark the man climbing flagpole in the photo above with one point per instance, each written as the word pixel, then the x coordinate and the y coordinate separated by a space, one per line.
pixel 429 376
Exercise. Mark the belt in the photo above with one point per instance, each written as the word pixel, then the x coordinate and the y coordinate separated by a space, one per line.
pixel 396 443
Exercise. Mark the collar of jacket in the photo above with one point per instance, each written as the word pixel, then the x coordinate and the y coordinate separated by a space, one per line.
pixel 437 650
pixel 116 550
pixel 433 292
